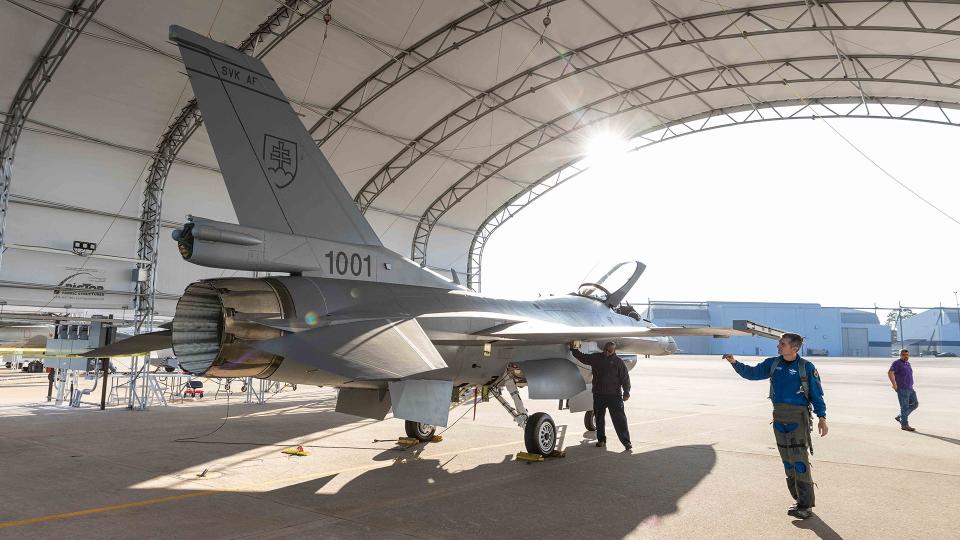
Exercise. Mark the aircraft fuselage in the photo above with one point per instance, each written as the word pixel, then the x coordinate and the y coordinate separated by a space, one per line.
pixel 451 318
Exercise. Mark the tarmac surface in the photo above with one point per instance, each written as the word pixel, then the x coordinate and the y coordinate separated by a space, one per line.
pixel 704 464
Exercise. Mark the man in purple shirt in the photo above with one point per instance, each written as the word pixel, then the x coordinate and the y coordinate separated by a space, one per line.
pixel 901 378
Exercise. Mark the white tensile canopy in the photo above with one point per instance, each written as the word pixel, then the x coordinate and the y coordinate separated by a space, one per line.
pixel 444 118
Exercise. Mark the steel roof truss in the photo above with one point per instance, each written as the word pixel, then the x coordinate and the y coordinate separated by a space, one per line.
pixel 572 169
pixel 68 29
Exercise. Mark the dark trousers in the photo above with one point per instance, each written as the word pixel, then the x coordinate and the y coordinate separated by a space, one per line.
pixel 613 402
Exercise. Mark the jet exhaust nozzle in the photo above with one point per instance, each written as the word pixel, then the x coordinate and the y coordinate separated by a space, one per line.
pixel 210 335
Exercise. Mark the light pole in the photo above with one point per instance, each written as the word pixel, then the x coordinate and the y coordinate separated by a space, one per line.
pixel 957 301
pixel 900 324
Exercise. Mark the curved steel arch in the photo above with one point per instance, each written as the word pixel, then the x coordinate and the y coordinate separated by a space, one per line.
pixel 810 109
pixel 289 16
pixel 438 43
pixel 561 126
pixel 71 25
pixel 645 41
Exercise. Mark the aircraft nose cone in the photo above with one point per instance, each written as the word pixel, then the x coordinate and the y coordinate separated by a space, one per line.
pixel 671 346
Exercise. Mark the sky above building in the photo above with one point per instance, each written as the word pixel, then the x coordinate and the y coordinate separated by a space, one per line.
pixel 774 212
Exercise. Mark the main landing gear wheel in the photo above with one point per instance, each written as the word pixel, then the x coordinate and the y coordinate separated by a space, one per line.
pixel 590 421
pixel 420 432
pixel 540 434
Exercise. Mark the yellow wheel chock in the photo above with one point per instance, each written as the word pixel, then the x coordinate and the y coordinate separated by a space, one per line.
pixel 536 458
pixel 298 451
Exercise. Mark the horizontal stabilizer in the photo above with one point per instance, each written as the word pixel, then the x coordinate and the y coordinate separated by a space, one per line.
pixel 759 330
pixel 140 344
pixel 422 401
pixel 378 349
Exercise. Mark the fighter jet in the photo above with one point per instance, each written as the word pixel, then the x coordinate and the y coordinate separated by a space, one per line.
pixel 342 310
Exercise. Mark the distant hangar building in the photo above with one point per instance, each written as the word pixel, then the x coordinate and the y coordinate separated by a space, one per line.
pixel 932 331
pixel 827 331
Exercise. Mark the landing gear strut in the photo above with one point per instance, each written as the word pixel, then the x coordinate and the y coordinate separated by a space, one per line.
pixel 539 430
pixel 419 431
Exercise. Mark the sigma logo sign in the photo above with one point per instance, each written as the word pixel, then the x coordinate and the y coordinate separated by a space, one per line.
pixel 80 283
pixel 280 158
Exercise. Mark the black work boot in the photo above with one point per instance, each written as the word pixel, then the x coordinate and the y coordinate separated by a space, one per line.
pixel 800 512
pixel 601 444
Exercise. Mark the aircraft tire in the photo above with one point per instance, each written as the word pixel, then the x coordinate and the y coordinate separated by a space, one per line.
pixel 540 434
pixel 420 432
pixel 590 421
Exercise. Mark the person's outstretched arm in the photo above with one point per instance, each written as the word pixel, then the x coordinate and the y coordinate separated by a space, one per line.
pixel 582 358
pixel 754 373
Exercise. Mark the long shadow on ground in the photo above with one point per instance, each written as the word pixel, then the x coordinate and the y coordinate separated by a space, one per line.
pixel 819 527
pixel 589 494
pixel 939 437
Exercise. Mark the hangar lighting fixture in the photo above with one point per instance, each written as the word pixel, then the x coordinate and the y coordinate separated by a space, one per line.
pixel 84 248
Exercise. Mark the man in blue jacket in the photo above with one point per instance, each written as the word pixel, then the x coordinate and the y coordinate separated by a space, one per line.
pixel 794 388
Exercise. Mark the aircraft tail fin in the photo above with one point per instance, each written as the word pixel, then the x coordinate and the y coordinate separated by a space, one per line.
pixel 276 176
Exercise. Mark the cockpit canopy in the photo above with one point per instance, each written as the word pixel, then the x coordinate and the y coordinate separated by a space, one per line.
pixel 612 287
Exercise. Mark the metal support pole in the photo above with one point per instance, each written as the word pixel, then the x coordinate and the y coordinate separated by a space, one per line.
pixel 61 383
pixel 145 398
pixel 105 365
pixel 132 383
pixel 957 300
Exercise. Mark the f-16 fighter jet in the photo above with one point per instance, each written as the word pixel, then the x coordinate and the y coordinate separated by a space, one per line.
pixel 350 313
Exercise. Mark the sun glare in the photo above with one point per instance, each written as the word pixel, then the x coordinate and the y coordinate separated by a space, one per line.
pixel 606 150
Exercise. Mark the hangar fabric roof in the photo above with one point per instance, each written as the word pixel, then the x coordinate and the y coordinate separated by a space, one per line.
pixel 443 118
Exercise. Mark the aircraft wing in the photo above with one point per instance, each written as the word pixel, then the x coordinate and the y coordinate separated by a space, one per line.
pixel 540 332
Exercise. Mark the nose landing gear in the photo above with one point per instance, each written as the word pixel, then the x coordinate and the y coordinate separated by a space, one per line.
pixel 540 434
pixel 539 430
